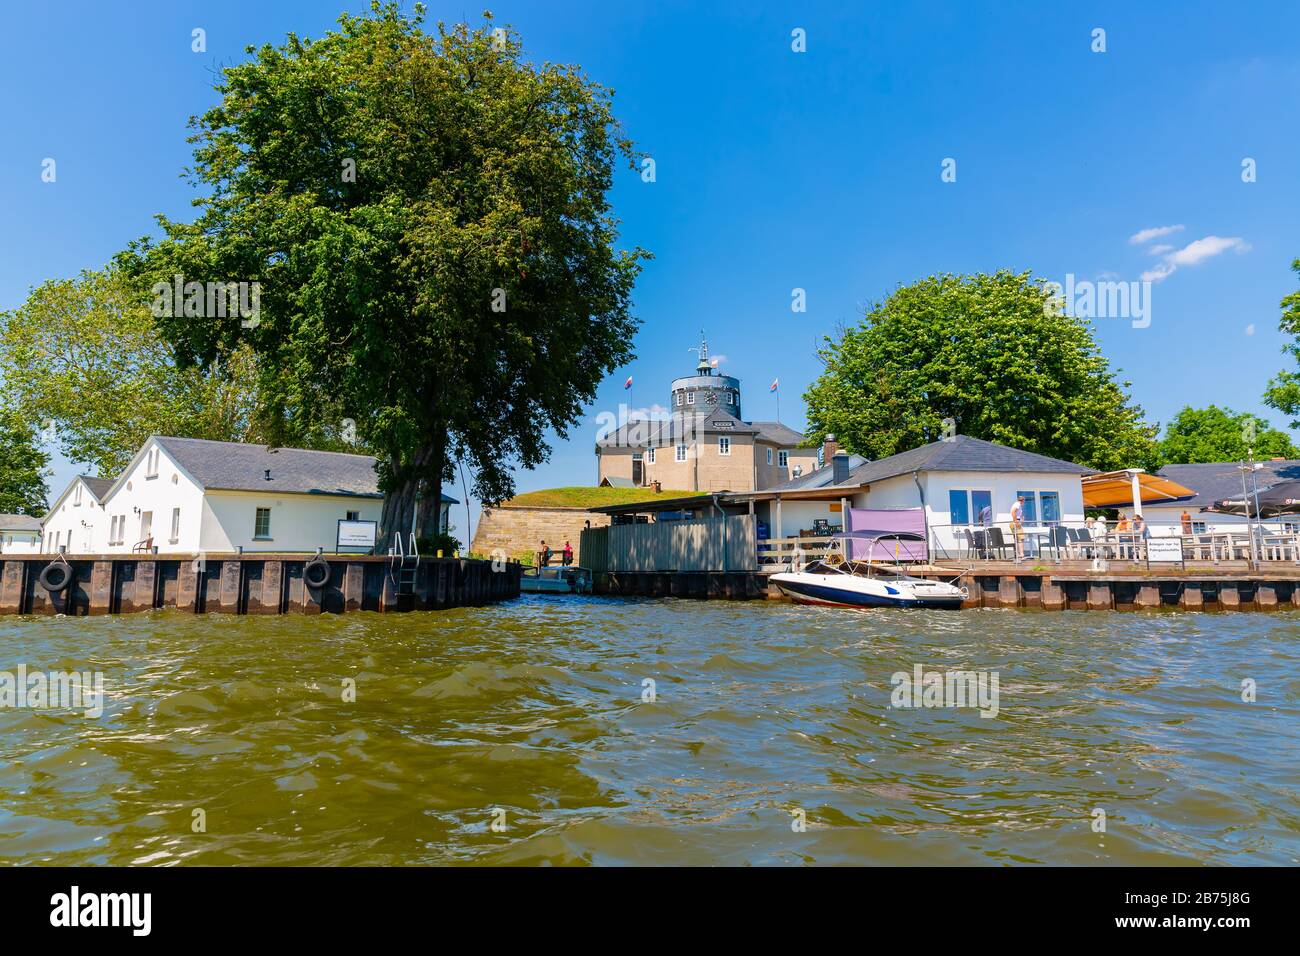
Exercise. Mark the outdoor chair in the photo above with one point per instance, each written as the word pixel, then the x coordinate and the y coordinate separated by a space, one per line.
pixel 1060 541
pixel 980 542
pixel 997 542
pixel 144 546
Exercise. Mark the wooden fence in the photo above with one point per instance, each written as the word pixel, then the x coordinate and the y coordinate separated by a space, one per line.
pixel 712 544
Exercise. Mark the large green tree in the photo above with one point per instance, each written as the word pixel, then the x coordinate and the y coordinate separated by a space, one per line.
pixel 84 357
pixel 22 467
pixel 1284 390
pixel 992 353
pixel 1220 434
pixel 426 215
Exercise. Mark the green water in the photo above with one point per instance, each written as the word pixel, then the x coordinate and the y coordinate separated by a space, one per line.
pixel 531 714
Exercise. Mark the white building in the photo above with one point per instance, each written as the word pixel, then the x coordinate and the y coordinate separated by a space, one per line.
pixel 71 522
pixel 20 534
pixel 950 482
pixel 186 495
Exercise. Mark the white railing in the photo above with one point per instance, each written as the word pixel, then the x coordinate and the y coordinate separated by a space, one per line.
pixel 1073 541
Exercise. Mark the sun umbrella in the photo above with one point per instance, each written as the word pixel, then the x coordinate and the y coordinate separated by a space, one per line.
pixel 1280 499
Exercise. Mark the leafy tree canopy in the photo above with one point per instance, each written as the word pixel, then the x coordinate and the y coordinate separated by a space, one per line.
pixel 426 216
pixel 1284 390
pixel 992 353
pixel 83 357
pixel 22 467
pixel 1220 434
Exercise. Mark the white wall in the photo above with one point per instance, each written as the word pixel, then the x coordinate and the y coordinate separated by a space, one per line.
pixel 298 522
pixel 902 492
pixel 157 495
pixel 20 542
pixel 75 526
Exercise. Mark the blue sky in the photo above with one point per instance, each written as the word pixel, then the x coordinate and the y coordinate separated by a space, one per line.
pixel 779 170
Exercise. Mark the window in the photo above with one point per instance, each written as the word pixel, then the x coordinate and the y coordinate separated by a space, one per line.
pixel 176 525
pixel 76 496
pixel 1198 527
pixel 681 452
pixel 970 507
pixel 724 445
pixel 731 398
pixel 958 507
pixel 783 459
pixel 690 398
pixel 769 456
pixel 652 456
pixel 1031 506
pixel 1051 506
pixel 354 516
pixel 262 524
pixel 679 398
pixel 151 464
pixel 146 525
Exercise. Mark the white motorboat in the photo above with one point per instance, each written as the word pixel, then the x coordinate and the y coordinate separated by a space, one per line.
pixel 838 581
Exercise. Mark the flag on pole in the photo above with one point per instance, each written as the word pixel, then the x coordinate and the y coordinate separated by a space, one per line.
pixel 775 382
pixel 628 383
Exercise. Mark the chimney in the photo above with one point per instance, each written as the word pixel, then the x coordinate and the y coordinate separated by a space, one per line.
pixel 840 467
pixel 829 448
pixel 658 487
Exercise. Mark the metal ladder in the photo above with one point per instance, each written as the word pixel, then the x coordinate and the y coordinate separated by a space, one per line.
pixel 403 564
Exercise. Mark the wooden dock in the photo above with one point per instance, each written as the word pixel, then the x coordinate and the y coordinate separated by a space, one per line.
pixel 249 584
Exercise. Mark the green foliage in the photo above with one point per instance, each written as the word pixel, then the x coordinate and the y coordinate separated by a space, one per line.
pixel 22 467
pixel 992 353
pixel 480 181
pixel 1220 434
pixel 1283 391
pixel 445 542
pixel 84 356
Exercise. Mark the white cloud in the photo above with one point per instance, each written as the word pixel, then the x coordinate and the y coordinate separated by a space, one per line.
pixel 1194 253
pixel 1155 232
pixel 1160 250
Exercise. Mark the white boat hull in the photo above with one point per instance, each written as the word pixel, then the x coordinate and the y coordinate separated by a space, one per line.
pixel 847 590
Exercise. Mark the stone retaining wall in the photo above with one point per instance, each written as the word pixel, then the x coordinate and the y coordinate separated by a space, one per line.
pixel 520 530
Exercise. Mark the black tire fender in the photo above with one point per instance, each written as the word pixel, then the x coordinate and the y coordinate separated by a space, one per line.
pixel 316 573
pixel 56 577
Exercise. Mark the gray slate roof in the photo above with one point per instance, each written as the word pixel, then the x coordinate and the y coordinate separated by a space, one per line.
pixel 962 453
pixel 817 478
pixel 98 486
pixel 19 523
pixel 668 431
pixel 615 482
pixel 1218 480
pixel 230 466
pixel 783 435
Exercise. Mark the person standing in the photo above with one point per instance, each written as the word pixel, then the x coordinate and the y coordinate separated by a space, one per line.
pixel 1017 524
pixel 1186 521
pixel 544 555
pixel 568 554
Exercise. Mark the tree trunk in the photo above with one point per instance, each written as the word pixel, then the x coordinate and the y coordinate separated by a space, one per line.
pixel 399 509
pixel 430 505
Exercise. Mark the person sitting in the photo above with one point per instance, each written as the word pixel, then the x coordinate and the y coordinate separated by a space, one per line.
pixel 567 554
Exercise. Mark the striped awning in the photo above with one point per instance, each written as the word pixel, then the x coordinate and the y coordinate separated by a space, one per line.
pixel 1114 489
